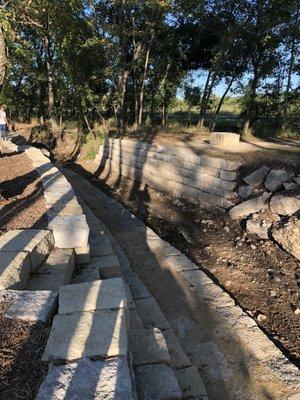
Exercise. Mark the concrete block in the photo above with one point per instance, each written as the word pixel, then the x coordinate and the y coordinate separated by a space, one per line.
pixel 37 306
pixel 148 346
pixel 134 320
pixel 70 231
pixel 82 255
pixel 108 294
pixel 55 272
pixel 224 139
pixel 108 266
pixel 150 314
pixel 157 382
pixel 88 380
pixel 15 268
pixel 181 263
pixel 137 289
pixel 191 384
pixel 38 243
pixel 227 175
pixel 100 334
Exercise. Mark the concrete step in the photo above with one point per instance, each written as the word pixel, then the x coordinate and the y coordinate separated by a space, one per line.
pixel 21 252
pixel 55 272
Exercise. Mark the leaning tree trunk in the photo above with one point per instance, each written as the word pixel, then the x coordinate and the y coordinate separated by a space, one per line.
pixel 203 102
pixel 3 58
pixel 141 110
pixel 121 101
pixel 214 121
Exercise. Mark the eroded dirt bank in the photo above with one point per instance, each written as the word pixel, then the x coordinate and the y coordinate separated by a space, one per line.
pixel 263 278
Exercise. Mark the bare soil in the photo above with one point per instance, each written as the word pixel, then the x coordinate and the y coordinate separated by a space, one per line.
pixel 21 347
pixel 23 205
pixel 262 277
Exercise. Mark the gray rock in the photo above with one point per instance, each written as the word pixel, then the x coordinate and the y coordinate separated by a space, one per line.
pixel 288 236
pixel 297 179
pixel 88 380
pixel 257 177
pixel 285 204
pixel 275 179
pixel 259 224
pixel 37 306
pixel 157 382
pixel 245 192
pixel 250 206
pixel 290 185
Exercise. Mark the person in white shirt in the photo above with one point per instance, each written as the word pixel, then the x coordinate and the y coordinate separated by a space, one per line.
pixel 3 123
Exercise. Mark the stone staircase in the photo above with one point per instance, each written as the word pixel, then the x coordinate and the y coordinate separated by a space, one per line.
pixel 161 368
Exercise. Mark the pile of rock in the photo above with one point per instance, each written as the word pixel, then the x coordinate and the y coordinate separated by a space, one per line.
pixel 270 204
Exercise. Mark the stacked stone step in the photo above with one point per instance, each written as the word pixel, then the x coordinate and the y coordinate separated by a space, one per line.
pixel 89 336
pixel 21 253
pixel 161 368
pixel 178 172
pixel 66 218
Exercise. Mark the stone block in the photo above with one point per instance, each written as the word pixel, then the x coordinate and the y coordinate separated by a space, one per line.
pixel 38 243
pixel 82 255
pixel 100 334
pixel 88 380
pixel 181 263
pixel 37 306
pixel 191 384
pixel 150 314
pixel 227 175
pixel 134 320
pixel 257 177
pixel 86 274
pixel 178 357
pixel 100 246
pixel 148 346
pixel 108 266
pixel 137 289
pixel 55 272
pixel 70 231
pixel 224 139
pixel 15 268
pixel 108 294
pixel 156 382
pixel 250 206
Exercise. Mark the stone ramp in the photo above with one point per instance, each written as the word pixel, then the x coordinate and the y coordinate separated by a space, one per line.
pixel 161 368
pixel 235 358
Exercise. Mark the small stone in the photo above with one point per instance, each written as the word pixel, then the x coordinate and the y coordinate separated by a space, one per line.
pixel 261 318
pixel 226 228
pixel 245 192
pixel 297 311
pixel 257 177
pixel 275 179
pixel 253 247
pixel 273 293
pixel 157 382
pixel 290 185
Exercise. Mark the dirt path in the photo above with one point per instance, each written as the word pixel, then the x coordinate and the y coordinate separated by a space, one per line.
pixel 236 361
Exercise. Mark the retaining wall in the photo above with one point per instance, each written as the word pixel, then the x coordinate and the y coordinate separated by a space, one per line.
pixel 177 171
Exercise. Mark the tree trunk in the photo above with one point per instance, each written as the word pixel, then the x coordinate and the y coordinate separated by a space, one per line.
pixel 214 121
pixel 121 101
pixel 3 58
pixel 140 120
pixel 204 102
pixel 136 101
pixel 51 112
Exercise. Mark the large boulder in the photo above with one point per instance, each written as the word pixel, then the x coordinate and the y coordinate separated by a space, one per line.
pixel 257 177
pixel 275 179
pixel 285 204
pixel 259 224
pixel 250 206
pixel 288 236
